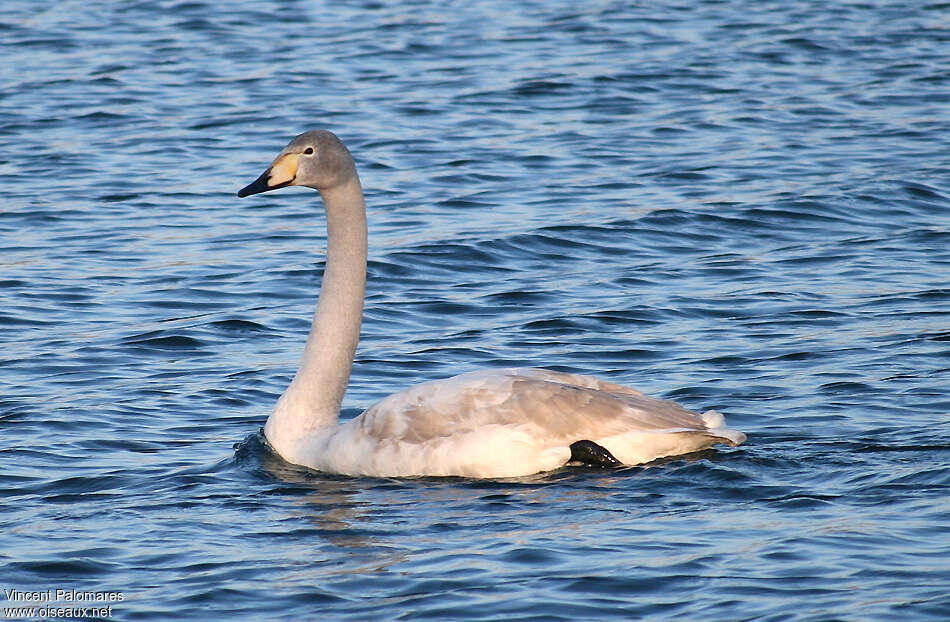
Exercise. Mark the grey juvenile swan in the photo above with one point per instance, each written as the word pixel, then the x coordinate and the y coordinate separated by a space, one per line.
pixel 490 423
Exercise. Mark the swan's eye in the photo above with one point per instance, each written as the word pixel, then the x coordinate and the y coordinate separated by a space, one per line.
pixel 308 151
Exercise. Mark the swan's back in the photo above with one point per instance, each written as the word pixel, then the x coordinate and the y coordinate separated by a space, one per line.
pixel 509 422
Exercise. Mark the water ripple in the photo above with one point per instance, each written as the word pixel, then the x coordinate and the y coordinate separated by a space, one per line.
pixel 740 206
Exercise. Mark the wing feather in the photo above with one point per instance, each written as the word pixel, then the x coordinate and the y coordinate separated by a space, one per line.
pixel 556 406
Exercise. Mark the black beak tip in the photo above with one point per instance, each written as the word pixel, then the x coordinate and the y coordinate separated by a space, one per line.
pixel 255 187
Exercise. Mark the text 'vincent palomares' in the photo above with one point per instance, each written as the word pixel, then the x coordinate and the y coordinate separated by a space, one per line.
pixel 55 595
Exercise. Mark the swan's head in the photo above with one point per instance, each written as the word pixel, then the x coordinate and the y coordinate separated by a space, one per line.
pixel 316 159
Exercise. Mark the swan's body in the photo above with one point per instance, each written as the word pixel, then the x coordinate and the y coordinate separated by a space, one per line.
pixel 491 423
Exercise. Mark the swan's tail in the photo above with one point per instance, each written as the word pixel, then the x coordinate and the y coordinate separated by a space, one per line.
pixel 716 424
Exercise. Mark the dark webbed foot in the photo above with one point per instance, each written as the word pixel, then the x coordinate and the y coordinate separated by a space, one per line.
pixel 590 453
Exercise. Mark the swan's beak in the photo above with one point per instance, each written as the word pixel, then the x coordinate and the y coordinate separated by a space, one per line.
pixel 281 173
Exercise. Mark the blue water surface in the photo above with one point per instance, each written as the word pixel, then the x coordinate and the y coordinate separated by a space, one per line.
pixel 737 205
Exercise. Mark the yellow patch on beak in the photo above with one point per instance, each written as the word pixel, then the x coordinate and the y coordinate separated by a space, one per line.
pixel 284 170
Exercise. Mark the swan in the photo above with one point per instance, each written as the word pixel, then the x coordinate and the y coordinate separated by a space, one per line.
pixel 483 424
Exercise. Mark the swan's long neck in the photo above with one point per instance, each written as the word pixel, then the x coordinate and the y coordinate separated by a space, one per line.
pixel 312 401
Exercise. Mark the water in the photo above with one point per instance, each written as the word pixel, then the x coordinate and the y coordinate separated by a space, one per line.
pixel 742 206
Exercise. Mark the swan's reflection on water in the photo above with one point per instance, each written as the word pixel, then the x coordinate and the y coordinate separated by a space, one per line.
pixel 339 526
